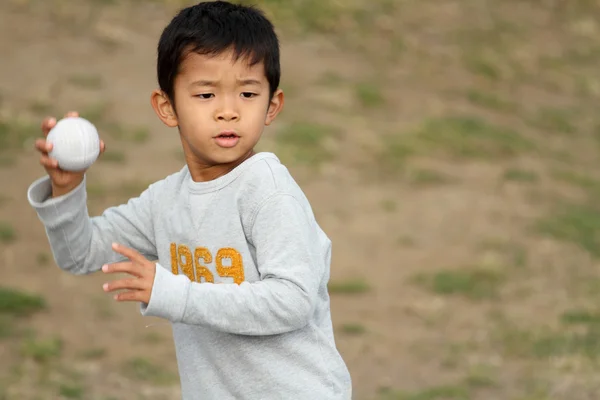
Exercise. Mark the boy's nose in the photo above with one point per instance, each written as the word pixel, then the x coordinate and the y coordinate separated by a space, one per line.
pixel 228 116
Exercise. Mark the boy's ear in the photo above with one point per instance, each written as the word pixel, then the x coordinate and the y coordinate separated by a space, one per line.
pixel 163 108
pixel 275 106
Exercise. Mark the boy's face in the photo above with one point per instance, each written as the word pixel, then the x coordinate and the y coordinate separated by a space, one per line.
pixel 221 108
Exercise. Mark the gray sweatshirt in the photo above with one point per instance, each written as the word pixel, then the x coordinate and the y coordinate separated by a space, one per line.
pixel 242 272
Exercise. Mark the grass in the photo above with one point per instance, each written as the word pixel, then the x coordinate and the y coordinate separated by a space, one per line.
pixel 520 175
pixel 353 286
pixel 353 329
pixel 94 353
pixel 544 343
pixel 555 120
pixel 71 391
pixel 443 392
pixel 113 156
pixel 578 224
pixel 512 252
pixel 141 369
pixel 331 79
pixel 16 132
pixel 585 182
pixel 139 134
pixel 96 113
pixel 460 137
pixel 305 143
pixel 427 177
pixel 153 338
pixel 41 107
pixel 475 283
pixel 369 95
pixel 7 232
pixel 42 350
pixel 87 81
pixel 42 259
pixel 580 317
pixel 491 101
pixel 17 303
pixel 482 64
pixel 389 205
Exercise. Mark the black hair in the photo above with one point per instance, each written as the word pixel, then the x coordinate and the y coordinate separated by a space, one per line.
pixel 212 27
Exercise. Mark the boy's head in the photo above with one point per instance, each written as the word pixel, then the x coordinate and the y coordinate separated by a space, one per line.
pixel 218 72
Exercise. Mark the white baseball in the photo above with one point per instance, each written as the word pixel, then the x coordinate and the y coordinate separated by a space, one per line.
pixel 75 143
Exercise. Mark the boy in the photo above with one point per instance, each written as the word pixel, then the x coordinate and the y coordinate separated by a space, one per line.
pixel 242 266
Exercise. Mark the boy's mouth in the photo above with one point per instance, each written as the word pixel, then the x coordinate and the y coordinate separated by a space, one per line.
pixel 227 139
pixel 228 135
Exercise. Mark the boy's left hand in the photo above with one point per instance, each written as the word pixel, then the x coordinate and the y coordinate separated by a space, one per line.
pixel 143 271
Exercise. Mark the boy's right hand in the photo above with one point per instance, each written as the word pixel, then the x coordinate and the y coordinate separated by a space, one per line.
pixel 62 181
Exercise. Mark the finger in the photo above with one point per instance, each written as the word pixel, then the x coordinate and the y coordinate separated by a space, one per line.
pixel 72 114
pixel 127 252
pixel 43 146
pixel 123 267
pixel 135 284
pixel 47 124
pixel 133 295
pixel 48 162
pixel 102 146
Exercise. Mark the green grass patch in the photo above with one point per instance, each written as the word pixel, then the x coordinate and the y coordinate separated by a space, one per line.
pixel 41 107
pixel 578 224
pixel 15 133
pixel 475 283
pixel 331 79
pixel 543 344
pixel 71 391
pixel 580 317
pixel 113 156
pixel 353 329
pixel 491 101
pixel 512 253
pixel 462 137
pixel 42 350
pixel 482 64
pixel 96 113
pixel 43 259
pixel 442 392
pixel 87 81
pixel 94 353
pixel 153 338
pixel 389 205
pixel 7 326
pixel 369 95
pixel 520 175
pixel 143 370
pixel 7 232
pixel 305 143
pixel 555 120
pixel 587 183
pixel 353 286
pixel 397 152
pixel 7 160
pixel 427 177
pixel 17 303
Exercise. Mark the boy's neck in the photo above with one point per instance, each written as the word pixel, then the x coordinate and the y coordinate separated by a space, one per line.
pixel 205 173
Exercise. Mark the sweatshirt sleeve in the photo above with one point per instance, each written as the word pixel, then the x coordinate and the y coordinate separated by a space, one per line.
pixel 80 244
pixel 291 268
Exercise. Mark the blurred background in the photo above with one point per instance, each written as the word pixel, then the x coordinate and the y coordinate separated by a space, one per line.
pixel 449 148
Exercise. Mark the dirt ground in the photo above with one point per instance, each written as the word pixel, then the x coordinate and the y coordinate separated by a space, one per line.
pixel 449 149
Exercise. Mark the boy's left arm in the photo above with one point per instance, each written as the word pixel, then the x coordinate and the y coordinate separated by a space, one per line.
pixel 290 262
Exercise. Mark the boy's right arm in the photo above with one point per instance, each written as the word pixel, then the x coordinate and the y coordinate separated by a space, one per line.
pixel 81 244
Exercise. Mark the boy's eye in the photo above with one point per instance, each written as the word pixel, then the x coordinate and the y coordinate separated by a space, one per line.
pixel 204 95
pixel 248 95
